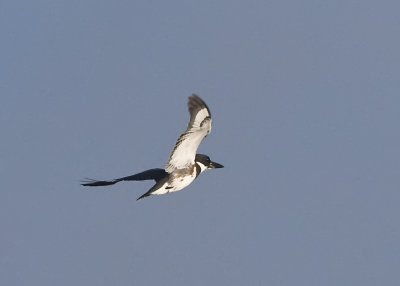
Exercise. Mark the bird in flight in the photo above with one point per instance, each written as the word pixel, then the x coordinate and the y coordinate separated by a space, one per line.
pixel 184 165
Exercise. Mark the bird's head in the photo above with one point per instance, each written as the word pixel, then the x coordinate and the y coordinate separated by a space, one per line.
pixel 205 162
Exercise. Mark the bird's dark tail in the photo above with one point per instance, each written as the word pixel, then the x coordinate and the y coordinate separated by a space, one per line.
pixel 143 196
pixel 159 184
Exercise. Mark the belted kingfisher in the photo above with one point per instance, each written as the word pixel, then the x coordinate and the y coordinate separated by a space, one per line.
pixel 184 164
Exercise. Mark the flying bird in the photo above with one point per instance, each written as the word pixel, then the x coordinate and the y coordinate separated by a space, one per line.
pixel 184 165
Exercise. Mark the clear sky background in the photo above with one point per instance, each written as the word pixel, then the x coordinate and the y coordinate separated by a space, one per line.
pixel 305 97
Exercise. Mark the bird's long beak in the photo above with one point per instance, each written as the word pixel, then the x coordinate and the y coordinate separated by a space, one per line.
pixel 215 165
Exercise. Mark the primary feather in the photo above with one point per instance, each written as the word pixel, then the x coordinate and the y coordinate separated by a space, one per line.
pixel 153 174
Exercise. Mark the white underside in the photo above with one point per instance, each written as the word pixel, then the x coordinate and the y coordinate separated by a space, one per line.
pixel 178 183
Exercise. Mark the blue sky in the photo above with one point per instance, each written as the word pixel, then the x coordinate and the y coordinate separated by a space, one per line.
pixel 305 102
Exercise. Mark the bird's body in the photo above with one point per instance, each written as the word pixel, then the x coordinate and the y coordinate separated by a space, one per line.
pixel 184 164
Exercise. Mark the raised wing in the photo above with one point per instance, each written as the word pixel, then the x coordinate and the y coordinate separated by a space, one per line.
pixel 198 128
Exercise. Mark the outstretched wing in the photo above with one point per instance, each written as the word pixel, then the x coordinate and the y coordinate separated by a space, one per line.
pixel 198 128
pixel 152 174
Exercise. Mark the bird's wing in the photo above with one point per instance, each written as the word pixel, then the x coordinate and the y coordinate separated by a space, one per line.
pixel 198 128
pixel 152 174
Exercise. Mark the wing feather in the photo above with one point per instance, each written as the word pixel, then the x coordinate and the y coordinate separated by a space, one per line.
pixel 198 128
pixel 152 174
